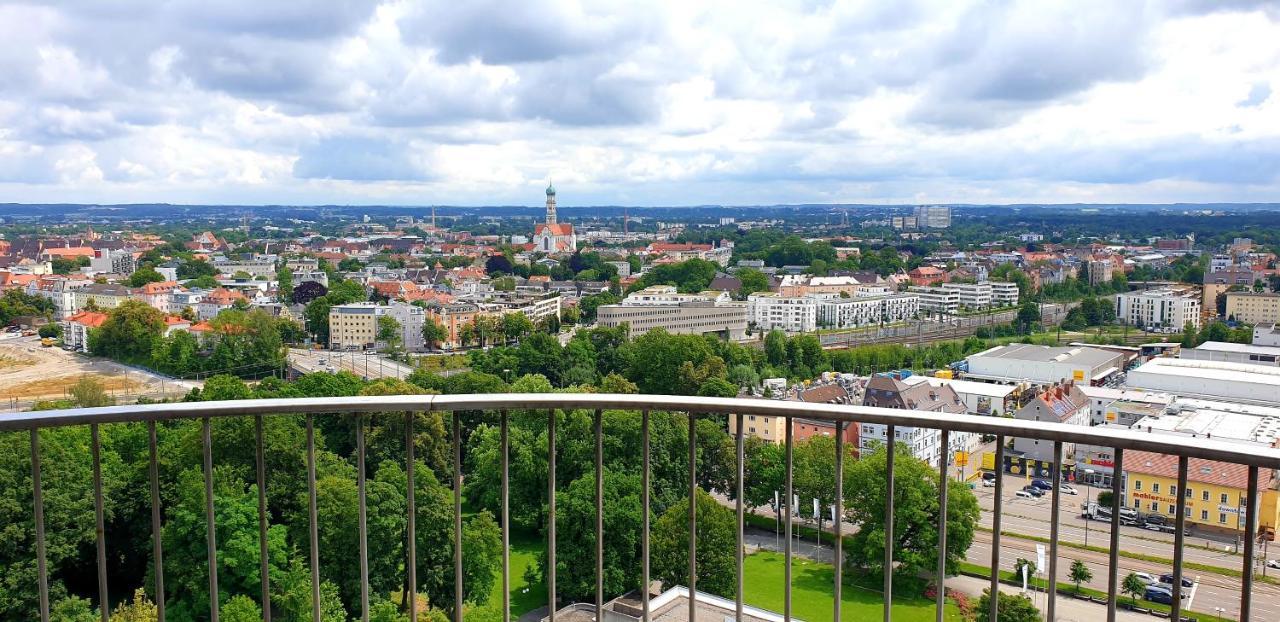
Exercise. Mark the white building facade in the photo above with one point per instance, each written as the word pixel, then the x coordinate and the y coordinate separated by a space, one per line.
pixel 792 314
pixel 1158 308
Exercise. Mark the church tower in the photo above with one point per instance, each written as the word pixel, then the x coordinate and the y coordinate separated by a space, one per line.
pixel 551 204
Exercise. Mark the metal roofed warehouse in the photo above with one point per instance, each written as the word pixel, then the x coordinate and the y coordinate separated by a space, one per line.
pixel 1259 384
pixel 1016 362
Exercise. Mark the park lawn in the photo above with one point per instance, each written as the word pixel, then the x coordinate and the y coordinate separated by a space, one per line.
pixel 811 593
pixel 524 597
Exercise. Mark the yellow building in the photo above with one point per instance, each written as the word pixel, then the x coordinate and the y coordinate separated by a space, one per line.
pixel 1215 494
pixel 771 429
pixel 1253 308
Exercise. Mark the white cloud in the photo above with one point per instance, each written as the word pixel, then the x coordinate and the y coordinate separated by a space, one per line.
pixel 667 103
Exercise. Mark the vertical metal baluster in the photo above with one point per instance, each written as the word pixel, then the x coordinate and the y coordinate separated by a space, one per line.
pixel 944 478
pixel 1050 614
pixel 263 522
pixel 644 518
pixel 1179 524
pixel 995 527
pixel 786 549
pixel 413 510
pixel 889 444
pixel 551 515
pixel 99 522
pixel 599 437
pixel 1113 570
pixel 312 519
pixel 838 519
pixel 506 522
pixel 157 546
pixel 1250 535
pixel 738 441
pixel 37 498
pixel 693 517
pixel 457 516
pixel 211 537
pixel 363 520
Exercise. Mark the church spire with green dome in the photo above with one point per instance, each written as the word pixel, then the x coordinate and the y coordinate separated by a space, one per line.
pixel 551 203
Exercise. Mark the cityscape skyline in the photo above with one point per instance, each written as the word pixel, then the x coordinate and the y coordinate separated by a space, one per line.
pixel 410 103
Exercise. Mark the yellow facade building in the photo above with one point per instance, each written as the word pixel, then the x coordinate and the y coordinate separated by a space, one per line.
pixel 770 429
pixel 1253 308
pixel 1215 493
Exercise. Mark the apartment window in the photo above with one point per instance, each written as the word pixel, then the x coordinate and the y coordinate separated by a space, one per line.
pixel 1222 498
pixel 1137 484
pixel 1187 492
pixel 1204 514
pixel 753 430
pixel 1173 490
pixel 1155 487
pixel 1137 504
pixel 1155 507
pixel 1186 511
pixel 1222 517
pixel 1172 510
pixel 1204 495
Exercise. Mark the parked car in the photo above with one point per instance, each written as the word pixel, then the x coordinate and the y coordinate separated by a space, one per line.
pixel 1167 579
pixel 1273 563
pixel 1147 578
pixel 1158 595
pixel 1033 491
pixel 1025 495
pixel 1068 490
pixel 1155 519
pixel 988 483
pixel 1042 484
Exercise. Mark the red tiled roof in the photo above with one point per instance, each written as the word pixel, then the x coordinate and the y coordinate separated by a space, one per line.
pixel 92 319
pixel 1198 470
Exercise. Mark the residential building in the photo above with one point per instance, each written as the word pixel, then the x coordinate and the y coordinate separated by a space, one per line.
pixel 936 300
pixel 866 310
pixel 158 294
pixel 1004 293
pixel 453 317
pixel 354 326
pixel 1122 406
pixel 114 261
pixel 1100 271
pixel 660 306
pixel 75 329
pixel 410 318
pixel 1219 281
pixel 537 307
pixel 1044 365
pixel 1058 403
pixel 1248 354
pixel 217 301
pixel 927 275
pixel 768 429
pixel 887 391
pixel 254 268
pixel 103 296
pixel 1253 308
pixel 971 295
pixel 1158 308
pixel 792 314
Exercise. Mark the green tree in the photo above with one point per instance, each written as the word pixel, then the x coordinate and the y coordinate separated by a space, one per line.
pixel 316 317
pixel 516 325
pixel 576 537
pixel 1080 573
pixel 88 393
pixel 284 284
pixel 1028 316
pixel 717 539
pixel 915 514
pixel 433 333
pixel 15 303
pixel 1133 586
pixel 74 609
pixel 1105 498
pixel 129 332
pixel 752 281
pixel 240 608
pixel 389 332
pixel 145 274
pixel 140 609
pixel 775 348
pixel 1009 608
pixel 693 275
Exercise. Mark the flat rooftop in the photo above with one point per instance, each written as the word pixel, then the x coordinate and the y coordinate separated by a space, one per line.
pixel 1092 357
pixel 1223 371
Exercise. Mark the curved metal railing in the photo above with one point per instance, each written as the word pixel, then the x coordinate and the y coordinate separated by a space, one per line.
pixel 1059 434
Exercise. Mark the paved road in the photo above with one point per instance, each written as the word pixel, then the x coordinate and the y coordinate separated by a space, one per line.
pixel 367 366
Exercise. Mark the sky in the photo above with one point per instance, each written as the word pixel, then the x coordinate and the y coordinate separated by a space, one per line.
pixel 639 103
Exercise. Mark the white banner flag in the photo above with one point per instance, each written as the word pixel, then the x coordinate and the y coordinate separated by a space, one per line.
pixel 795 503
pixel 833 513
pixel 816 512
pixel 775 501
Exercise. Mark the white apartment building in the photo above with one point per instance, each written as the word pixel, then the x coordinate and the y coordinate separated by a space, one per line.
pixel 1004 293
pixel 114 261
pixel 1158 307
pixel 971 295
pixel 660 306
pixel 411 319
pixel 355 325
pixel 937 300
pixel 792 314
pixel 865 310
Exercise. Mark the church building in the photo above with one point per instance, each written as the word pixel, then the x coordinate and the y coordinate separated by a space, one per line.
pixel 553 237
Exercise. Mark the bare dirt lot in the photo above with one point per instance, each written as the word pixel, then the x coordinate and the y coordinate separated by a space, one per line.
pixel 29 372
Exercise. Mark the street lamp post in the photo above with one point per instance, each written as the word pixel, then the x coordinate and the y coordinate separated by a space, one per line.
pixel 1088 474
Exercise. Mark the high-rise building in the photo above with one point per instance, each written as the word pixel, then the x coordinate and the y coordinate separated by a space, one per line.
pixel 933 216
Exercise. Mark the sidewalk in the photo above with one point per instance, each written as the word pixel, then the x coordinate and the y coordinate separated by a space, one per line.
pixel 1068 608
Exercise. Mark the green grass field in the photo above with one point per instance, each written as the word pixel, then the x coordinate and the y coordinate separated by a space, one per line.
pixel 812 597
pixel 524 597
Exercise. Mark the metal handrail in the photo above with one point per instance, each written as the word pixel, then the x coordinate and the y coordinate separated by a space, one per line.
pixel 1203 448
pixel 1255 457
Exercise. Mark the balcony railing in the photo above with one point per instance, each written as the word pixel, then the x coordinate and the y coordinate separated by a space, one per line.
pixel 1059 434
